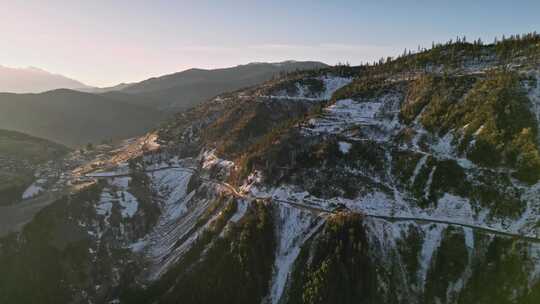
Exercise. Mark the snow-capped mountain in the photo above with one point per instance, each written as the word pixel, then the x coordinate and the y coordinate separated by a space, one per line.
pixel 415 180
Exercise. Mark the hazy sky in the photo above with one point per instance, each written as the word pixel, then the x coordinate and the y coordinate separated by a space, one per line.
pixel 106 42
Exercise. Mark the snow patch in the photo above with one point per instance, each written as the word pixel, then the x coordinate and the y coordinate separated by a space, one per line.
pixel 116 193
pixel 534 97
pixel 469 240
pixel 418 167
pixel 138 246
pixel 427 188
pixel 32 191
pixel 129 204
pixel 120 182
pixel 432 241
pixel 294 227
pixel 241 208
pixel 375 118
pixel 444 146
pixel 177 221
pixel 332 84
pixel 171 184
pixel 104 207
pixel 451 207
pixel 344 147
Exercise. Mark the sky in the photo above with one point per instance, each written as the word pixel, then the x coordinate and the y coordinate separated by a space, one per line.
pixel 106 42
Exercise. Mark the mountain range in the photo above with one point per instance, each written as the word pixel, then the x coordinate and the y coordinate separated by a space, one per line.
pixel 412 180
pixel 182 90
pixel 92 115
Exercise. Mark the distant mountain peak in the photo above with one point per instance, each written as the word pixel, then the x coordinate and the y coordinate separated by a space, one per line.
pixel 34 80
pixel 36 69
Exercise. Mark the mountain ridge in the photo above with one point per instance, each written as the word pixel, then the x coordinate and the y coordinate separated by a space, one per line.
pixel 90 117
pixel 140 86
pixel 182 90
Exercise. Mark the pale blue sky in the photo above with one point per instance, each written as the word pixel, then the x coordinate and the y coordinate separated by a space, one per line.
pixel 105 42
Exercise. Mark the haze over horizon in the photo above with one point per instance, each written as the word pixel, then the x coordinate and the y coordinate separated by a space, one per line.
pixel 102 44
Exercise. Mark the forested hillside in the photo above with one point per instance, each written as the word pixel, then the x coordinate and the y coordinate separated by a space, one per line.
pixel 73 118
pixel 20 156
pixel 414 179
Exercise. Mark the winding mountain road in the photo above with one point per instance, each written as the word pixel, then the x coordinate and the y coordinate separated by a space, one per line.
pixel 317 209
pixel 391 218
